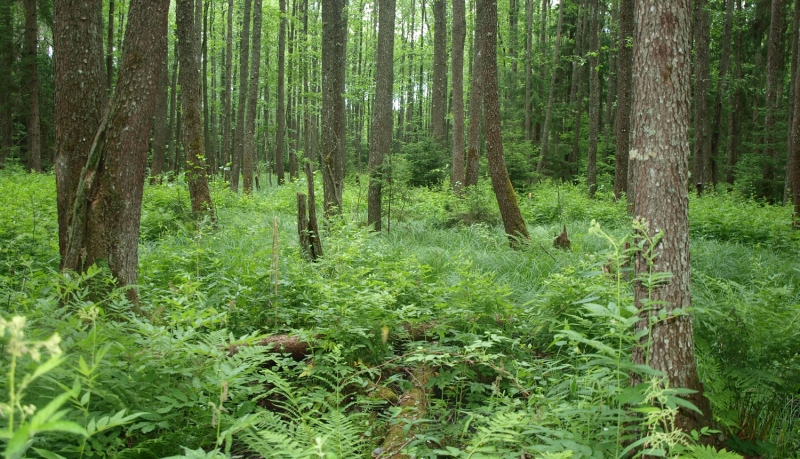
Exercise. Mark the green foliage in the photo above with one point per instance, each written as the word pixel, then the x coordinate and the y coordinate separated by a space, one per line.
pixel 427 162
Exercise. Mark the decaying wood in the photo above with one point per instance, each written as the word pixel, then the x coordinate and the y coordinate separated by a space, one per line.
pixel 302 227
pixel 313 227
pixel 562 240
pixel 413 406
pixel 284 344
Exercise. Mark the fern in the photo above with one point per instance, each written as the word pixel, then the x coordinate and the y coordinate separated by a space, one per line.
pixel 708 452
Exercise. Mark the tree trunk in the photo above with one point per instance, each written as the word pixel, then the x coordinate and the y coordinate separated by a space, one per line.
pixel 252 104
pixel 244 55
pixel 103 217
pixel 204 81
pixel 381 141
pixel 34 132
pixel 537 131
pixel 660 155
pixel 6 81
pixel 475 112
pixel 110 48
pixel 514 225
pixel 549 110
pixel 795 152
pixel 192 135
pixel 280 136
pixel 736 104
pixel 624 85
pixel 528 69
pixel 226 92
pixel 334 47
pixel 701 172
pixel 788 187
pixel 160 123
pixel 576 90
pixel 611 80
pixel 439 95
pixel 774 80
pixel 724 66
pixel 410 84
pixel 172 130
pixel 459 36
pixel 594 97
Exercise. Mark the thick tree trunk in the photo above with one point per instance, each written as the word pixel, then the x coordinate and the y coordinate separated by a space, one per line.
pixel 280 135
pixel 514 225
pixel 334 47
pixel 549 109
pixel 105 213
pixel 34 130
pixel 381 141
pixel 244 56
pixel 475 112
pixel 701 172
pixel 6 81
pixel 160 123
pixel 594 97
pixel 439 95
pixel 660 155
pixel 459 36
pixel 252 104
pixel 192 135
pixel 624 85
pixel 774 80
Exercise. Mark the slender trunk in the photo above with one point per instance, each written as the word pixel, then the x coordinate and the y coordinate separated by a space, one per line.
pixel 788 188
pixel 795 152
pixel 459 36
pixel 291 128
pixel 34 132
pixel 172 134
pixel 334 48
pixel 226 92
pixel 701 172
pixel 624 93
pixel 594 97
pixel 110 48
pixel 774 80
pixel 514 225
pixel 160 123
pixel 537 131
pixel 439 95
pixel 475 112
pixel 6 81
pixel 204 81
pixel 724 66
pixel 577 90
pixel 611 80
pixel 280 136
pixel 410 84
pixel 528 69
pixel 736 104
pixel 551 97
pixel 244 55
pixel 252 104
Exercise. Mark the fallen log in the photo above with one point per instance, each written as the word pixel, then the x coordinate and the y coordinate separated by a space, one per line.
pixel 284 344
pixel 413 406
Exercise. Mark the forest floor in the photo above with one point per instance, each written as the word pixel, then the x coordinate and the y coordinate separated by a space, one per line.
pixel 432 339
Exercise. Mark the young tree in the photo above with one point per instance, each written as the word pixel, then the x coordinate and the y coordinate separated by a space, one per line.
pixel 34 132
pixel 506 197
pixel 192 135
pixel 623 121
pixel 795 152
pixel 252 103
pixel 381 141
pixel 102 160
pixel 439 95
pixel 334 47
pixel 459 35
pixel 660 158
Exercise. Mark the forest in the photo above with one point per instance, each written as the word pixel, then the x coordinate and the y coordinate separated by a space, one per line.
pixel 399 229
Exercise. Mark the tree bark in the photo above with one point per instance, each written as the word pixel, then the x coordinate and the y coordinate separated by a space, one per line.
pixel 192 135
pixel 105 211
pixel 439 95
pixel 172 135
pixel 204 82
pixel 475 112
pixel 549 110
pixel 576 90
pixel 788 187
pixel 514 225
pixel 280 136
pixel 594 97
pixel 226 91
pixel 701 172
pixel 160 123
pixel 795 152
pixel 34 130
pixel 334 47
pixel 252 104
pixel 6 81
pixel 381 140
pixel 724 66
pixel 459 36
pixel 624 85
pixel 528 70
pixel 110 48
pixel 736 104
pixel 244 55
pixel 660 155
pixel 774 80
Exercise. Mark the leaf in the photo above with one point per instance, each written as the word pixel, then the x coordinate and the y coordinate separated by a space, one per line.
pixel 45 414
pixel 63 426
pixel 19 443
pixel 48 454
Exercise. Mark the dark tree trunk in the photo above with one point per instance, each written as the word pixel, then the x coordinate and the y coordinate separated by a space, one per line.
pixel 594 96
pixel 549 109
pixel 611 80
pixel 204 81
pixel 624 85
pixel 110 48
pixel 788 187
pixel 724 66
pixel 280 136
pixel 410 84
pixel 439 95
pixel 104 216
pixel 514 225
pixel 537 130
pixel 192 135
pixel 226 92
pixel 795 152
pixel 774 80
pixel 528 69
pixel 6 81
pixel 160 123
pixel 459 36
pixel 172 130
pixel 334 47
pixel 736 104
pixel 660 157
pixel 252 104
pixel 34 130
pixel 475 112
pixel 381 141
pixel 701 172
pixel 244 55
pixel 576 90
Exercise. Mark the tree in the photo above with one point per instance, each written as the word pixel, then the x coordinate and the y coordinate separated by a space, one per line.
pixel 774 81
pixel 252 103
pixel 459 35
pixel 6 80
pixel 623 121
pixel 226 88
pixel 551 97
pixel 504 192
pixel 796 145
pixel 660 158
pixel 439 96
pixel 475 112
pixel 594 96
pixel 381 142
pixel 280 133
pixel 160 123
pixel 194 151
pixel 102 159
pixel 34 132
pixel 244 55
pixel 334 47
pixel 701 172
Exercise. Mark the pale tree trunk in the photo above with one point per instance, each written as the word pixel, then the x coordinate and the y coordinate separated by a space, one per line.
pixel 475 112
pixel 736 104
pixel 549 109
pixel 624 85
pixel 410 84
pixel 459 36
pixel 160 124
pixel 112 178
pixel 334 47
pixel 252 104
pixel 244 55
pixel 660 156
pixel 280 132
pixel 701 172
pixel 774 80
pixel 381 140
pixel 34 131
pixel 594 96
pixel 192 135
pixel 439 95
pixel 724 66
pixel 6 81
pixel 514 225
